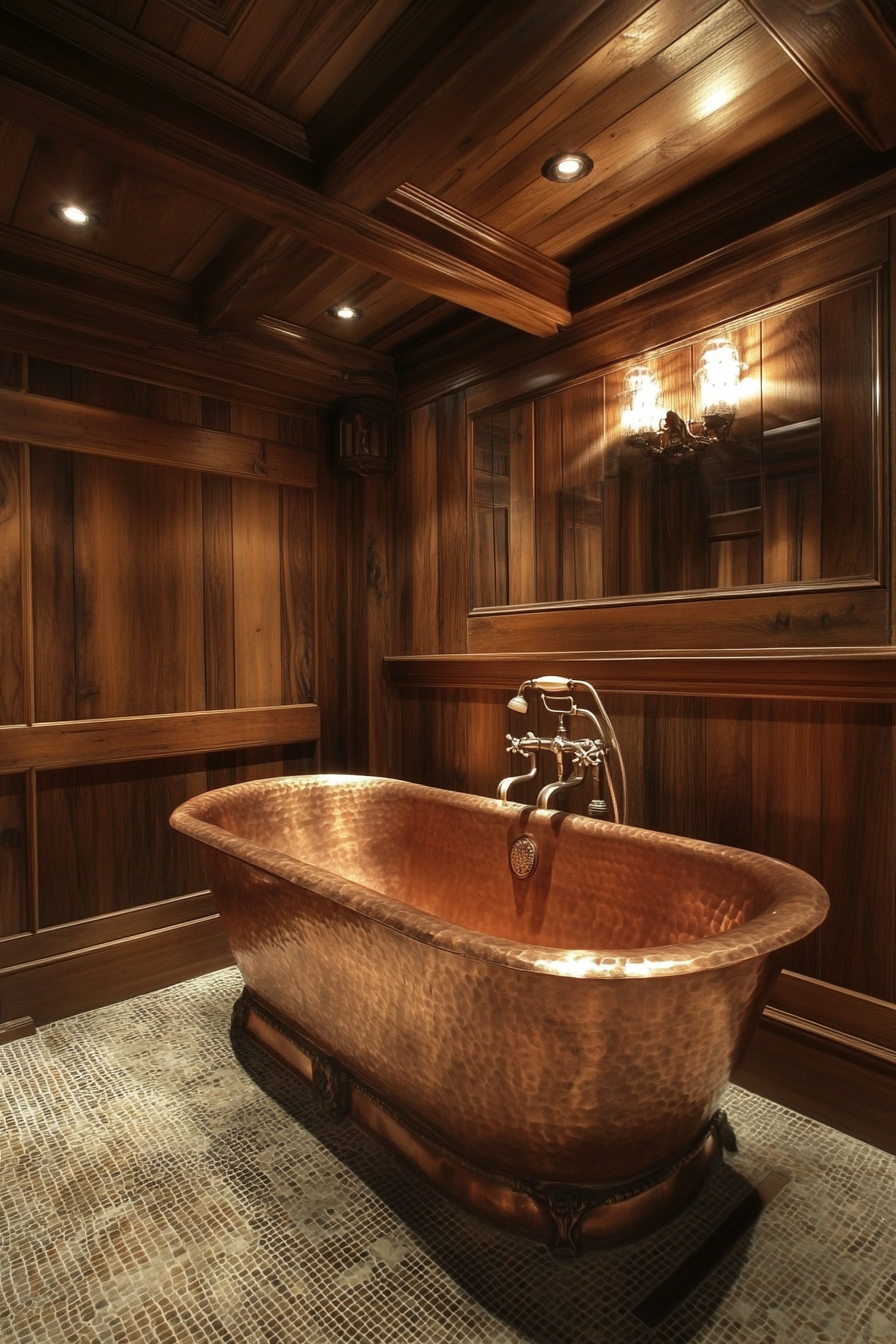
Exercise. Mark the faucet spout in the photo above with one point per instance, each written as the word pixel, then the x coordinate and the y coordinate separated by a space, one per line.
pixel 559 788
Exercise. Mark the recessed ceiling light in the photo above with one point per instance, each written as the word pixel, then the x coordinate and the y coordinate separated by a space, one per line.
pixel 70 213
pixel 567 167
pixel 346 312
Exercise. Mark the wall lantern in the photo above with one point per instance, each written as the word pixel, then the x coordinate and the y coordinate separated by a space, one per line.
pixel 361 438
pixel 717 389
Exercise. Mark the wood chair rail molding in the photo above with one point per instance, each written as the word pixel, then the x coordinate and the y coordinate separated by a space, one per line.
pixel 141 737
pixel 72 426
pixel 852 674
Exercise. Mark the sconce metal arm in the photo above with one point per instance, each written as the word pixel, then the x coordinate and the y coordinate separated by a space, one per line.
pixel 677 438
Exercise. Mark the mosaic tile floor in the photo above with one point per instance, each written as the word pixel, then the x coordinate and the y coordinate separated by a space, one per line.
pixel 155 1187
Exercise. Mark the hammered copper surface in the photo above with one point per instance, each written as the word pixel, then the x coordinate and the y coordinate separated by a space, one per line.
pixel 577 1026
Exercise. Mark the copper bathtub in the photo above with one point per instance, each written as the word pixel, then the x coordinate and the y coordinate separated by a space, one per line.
pixel 549 1050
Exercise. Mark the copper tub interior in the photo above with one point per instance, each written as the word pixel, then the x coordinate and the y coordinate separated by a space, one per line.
pixel 533 1045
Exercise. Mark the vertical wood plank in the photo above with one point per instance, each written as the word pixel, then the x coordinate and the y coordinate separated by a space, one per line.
pixel 256 593
pixel 487 723
pixel 381 712
pixel 627 715
pixel 786 796
pixel 13 856
pixel 53 594
pixel 451 489
pixel 46 378
pixel 857 943
pixel 217 574
pixel 138 588
pixel 425 543
pixel 548 489
pixel 728 772
pixel 521 538
pixel 331 614
pixel 12 370
pixel 675 764
pixel 297 590
pixel 12 643
pixel 791 395
pixel 848 379
pixel 104 842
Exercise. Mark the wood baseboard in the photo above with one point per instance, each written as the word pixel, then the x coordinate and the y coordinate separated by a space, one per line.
pixel 93 977
pixel 846 1081
pixel 17 1029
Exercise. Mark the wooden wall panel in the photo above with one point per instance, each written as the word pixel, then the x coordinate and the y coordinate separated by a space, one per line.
pixel 138 625
pixel 53 585
pixel 548 488
pixel 729 772
pixel 424 505
pixel 858 848
pixel 256 594
pixel 451 489
pixel 674 764
pixel 12 665
pixel 521 541
pixel 13 856
pixel 297 595
pixel 103 839
pixel 217 583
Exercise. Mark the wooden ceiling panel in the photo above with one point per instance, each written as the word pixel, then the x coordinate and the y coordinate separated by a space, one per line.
pixel 143 221
pixel 640 62
pixel 677 164
pixel 219 191
pixel 679 122
pixel 16 147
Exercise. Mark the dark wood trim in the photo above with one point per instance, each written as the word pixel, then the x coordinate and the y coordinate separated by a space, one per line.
pixel 847 52
pixel 91 32
pixel 816 617
pixel 834 1078
pixel 858 674
pixel 72 426
pixel 58 91
pixel 96 976
pixel 17 1029
pixel 144 737
pixel 22 949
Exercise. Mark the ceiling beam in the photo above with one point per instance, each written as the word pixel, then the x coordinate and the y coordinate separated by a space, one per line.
pixel 96 311
pixel 63 92
pixel 277 263
pixel 848 52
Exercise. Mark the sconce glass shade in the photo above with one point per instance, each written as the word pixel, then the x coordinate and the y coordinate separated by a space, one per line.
pixel 717 380
pixel 640 400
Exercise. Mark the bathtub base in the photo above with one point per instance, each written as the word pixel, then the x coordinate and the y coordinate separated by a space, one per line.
pixel 568 1219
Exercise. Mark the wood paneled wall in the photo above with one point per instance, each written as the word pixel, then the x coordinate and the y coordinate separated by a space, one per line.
pixel 132 591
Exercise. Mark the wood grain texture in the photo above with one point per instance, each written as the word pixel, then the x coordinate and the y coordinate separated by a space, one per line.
pixel 14 906
pixel 451 487
pixel 217 585
pixel 754 620
pixel 12 635
pixel 256 595
pixel 138 627
pixel 859 675
pixel 297 595
pixel 50 423
pixel 62 987
pixel 102 837
pixel 142 737
pixel 858 848
pixel 848 429
pixel 847 52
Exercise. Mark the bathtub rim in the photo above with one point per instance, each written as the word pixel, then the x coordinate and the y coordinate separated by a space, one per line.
pixel 799 907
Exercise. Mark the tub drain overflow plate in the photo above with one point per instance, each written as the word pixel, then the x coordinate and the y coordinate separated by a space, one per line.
pixel 524 856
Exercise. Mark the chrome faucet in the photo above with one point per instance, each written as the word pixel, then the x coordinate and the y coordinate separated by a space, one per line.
pixel 584 752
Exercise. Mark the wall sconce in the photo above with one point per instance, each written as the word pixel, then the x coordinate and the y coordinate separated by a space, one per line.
pixel 361 437
pixel 717 387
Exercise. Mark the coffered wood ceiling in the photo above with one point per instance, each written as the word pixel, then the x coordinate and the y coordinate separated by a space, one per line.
pixel 253 162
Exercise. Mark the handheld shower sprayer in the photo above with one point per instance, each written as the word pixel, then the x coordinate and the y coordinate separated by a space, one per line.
pixel 584 752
